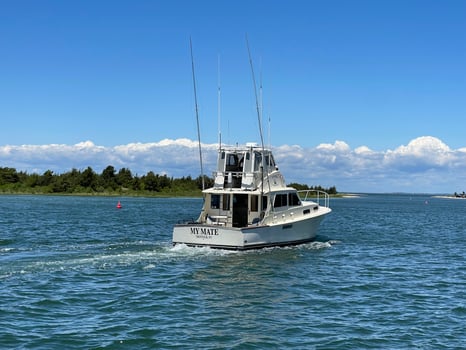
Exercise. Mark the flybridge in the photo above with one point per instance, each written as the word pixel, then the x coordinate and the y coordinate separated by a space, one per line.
pixel 243 168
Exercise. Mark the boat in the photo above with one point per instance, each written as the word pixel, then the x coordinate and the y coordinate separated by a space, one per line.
pixel 250 206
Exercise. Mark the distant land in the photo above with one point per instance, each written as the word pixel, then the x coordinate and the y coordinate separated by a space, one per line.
pixel 111 183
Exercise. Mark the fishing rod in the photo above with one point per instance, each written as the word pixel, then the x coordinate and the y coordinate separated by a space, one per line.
pixel 259 119
pixel 259 114
pixel 218 104
pixel 197 113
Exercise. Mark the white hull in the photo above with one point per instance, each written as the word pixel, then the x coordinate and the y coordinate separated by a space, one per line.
pixel 252 237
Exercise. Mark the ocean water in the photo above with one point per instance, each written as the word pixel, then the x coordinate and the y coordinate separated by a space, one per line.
pixel 385 272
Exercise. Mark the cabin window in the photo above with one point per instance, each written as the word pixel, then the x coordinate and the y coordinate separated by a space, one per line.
pixel 264 202
pixel 267 160
pixel 232 162
pixel 240 164
pixel 280 200
pixel 293 199
pixel 215 201
pixel 226 202
pixel 257 161
pixel 255 203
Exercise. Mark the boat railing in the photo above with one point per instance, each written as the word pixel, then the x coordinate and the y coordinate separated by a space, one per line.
pixel 320 197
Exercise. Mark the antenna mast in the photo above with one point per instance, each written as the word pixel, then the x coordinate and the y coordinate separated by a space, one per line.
pixel 197 114
pixel 261 103
pixel 261 94
pixel 218 106
pixel 259 116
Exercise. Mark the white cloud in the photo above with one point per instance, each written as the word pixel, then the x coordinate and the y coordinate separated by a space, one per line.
pixel 363 150
pixel 421 154
pixel 338 146
pixel 425 164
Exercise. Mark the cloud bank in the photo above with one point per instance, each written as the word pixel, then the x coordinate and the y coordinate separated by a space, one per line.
pixel 425 164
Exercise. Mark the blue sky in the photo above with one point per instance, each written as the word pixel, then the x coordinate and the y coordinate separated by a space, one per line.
pixel 370 74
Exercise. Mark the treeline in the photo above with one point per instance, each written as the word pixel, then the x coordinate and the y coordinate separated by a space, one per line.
pixel 88 181
pixel 331 190
pixel 109 182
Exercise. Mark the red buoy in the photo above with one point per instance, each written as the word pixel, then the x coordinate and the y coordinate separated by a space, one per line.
pixel 119 206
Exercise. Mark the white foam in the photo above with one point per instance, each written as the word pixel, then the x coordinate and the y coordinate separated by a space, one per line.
pixel 6 250
pixel 149 267
pixel 334 241
pixel 145 255
pixel 185 250
pixel 319 245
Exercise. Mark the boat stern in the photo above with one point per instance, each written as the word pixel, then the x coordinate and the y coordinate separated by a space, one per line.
pixel 207 235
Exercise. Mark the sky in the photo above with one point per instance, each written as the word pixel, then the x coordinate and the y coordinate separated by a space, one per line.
pixel 367 96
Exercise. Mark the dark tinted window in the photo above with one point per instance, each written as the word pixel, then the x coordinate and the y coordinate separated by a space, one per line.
pixel 215 201
pixel 280 201
pixel 293 199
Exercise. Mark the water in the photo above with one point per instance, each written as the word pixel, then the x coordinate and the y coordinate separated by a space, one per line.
pixel 385 272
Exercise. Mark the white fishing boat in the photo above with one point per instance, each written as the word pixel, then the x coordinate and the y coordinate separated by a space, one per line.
pixel 251 207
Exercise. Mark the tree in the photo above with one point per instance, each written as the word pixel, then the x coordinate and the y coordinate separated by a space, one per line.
pixel 136 184
pixel 108 174
pixel 108 177
pixel 164 181
pixel 332 190
pixel 88 178
pixel 46 179
pixel 150 182
pixel 8 176
pixel 124 178
pixel 208 182
pixel 87 181
pixel 71 180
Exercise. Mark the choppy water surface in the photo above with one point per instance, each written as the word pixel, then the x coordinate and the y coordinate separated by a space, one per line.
pixel 386 271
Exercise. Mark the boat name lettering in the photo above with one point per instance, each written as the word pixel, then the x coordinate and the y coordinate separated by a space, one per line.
pixel 204 231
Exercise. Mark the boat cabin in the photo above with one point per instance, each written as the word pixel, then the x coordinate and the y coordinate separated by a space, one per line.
pixel 243 168
pixel 242 209
pixel 247 187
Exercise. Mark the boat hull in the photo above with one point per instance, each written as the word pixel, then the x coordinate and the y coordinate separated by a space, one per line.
pixel 252 237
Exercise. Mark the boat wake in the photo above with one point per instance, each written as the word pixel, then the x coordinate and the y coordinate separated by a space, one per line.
pixel 128 255
pixel 185 250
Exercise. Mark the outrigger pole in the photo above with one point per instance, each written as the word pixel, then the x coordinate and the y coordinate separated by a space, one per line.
pixel 259 116
pixel 259 119
pixel 218 105
pixel 197 114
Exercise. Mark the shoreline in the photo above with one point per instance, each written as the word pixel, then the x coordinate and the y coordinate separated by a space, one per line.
pixel 448 197
pixel 349 195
